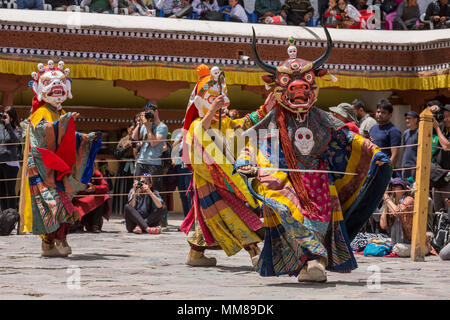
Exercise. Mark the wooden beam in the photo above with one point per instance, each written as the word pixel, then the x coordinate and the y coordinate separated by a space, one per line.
pixel 419 227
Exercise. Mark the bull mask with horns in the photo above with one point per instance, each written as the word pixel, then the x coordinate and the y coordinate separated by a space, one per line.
pixel 294 79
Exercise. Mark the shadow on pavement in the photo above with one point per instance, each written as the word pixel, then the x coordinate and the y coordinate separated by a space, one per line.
pixel 96 256
pixel 332 284
pixel 248 269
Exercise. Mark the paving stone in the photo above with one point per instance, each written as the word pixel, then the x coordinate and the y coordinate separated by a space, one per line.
pixel 118 265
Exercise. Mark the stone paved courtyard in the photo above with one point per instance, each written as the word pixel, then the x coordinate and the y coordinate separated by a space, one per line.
pixel 119 265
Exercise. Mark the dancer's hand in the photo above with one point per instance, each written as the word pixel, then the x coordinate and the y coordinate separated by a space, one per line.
pixel 75 115
pixel 217 103
pixel 380 163
pixel 248 170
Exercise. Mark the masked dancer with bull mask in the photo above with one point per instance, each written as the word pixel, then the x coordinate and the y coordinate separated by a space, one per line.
pixel 224 213
pixel 319 186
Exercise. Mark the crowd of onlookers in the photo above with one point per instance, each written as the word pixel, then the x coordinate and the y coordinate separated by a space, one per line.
pixel 344 14
pixel 150 169
pixel 395 212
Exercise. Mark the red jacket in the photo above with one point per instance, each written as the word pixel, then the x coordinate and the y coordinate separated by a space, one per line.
pixel 89 202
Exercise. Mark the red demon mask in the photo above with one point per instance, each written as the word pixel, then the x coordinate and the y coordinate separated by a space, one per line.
pixel 294 81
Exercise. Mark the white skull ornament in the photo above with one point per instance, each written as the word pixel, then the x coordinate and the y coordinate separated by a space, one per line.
pixel 304 140
pixel 292 52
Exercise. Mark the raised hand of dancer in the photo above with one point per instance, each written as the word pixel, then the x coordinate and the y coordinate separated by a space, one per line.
pixel 75 115
pixel 215 106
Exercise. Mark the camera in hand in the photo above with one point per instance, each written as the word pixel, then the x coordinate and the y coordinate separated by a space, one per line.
pixel 148 114
pixel 2 115
pixel 439 116
pixel 140 184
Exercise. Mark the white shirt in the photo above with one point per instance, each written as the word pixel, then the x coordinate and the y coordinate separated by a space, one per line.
pixel 239 12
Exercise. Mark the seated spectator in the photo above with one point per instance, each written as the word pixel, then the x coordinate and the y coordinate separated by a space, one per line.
pixel 183 8
pixel 297 12
pixel 30 4
pixel 267 8
pixel 410 136
pixel 330 14
pixel 61 5
pixel 145 208
pixel 99 6
pixel 438 12
pixel 9 155
pixel 135 7
pixel 94 203
pixel 348 15
pixel 345 113
pixel 365 120
pixel 398 216
pixel 207 9
pixel 167 6
pixel 343 15
pixel 237 13
pixel 407 15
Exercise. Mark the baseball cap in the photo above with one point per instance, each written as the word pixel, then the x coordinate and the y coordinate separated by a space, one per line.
pixel 345 110
pixel 412 114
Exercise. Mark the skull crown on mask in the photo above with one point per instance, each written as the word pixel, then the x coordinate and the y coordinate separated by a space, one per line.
pixel 51 84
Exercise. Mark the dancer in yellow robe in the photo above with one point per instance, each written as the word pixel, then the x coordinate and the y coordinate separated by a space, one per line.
pixel 224 212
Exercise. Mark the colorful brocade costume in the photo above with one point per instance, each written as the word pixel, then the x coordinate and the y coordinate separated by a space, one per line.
pixel 223 210
pixel 318 182
pixel 60 161
pixel 343 203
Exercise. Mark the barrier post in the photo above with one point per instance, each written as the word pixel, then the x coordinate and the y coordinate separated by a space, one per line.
pixel 23 180
pixel 419 227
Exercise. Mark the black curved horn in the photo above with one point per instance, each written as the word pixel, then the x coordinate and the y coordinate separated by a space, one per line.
pixel 323 58
pixel 257 59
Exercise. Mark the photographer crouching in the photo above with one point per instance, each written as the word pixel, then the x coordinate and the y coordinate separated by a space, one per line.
pixel 145 207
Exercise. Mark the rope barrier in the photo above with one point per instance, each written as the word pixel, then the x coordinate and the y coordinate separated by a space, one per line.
pixel 111 160
pixel 102 195
pixel 403 146
pixel 190 173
